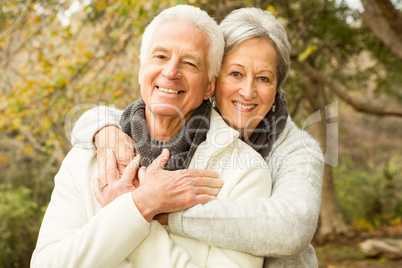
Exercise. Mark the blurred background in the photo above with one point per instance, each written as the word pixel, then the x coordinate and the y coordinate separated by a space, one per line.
pixel 60 57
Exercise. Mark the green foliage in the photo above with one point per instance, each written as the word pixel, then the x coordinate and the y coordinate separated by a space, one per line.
pixel 369 198
pixel 19 224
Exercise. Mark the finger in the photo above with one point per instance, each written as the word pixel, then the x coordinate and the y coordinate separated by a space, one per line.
pixel 101 171
pixel 141 174
pixel 207 182
pixel 202 173
pixel 131 170
pixel 96 186
pixel 206 190
pixel 100 152
pixel 123 163
pixel 203 198
pixel 112 174
pixel 132 156
pixel 160 161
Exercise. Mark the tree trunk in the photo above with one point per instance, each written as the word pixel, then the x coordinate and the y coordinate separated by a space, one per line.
pixel 331 218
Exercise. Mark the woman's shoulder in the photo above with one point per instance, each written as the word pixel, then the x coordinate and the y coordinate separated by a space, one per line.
pixel 293 139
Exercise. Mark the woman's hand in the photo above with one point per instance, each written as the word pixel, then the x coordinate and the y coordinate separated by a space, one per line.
pixel 163 191
pixel 162 218
pixel 109 185
pixel 111 137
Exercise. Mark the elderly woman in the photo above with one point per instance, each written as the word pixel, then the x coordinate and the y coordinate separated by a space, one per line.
pixel 249 98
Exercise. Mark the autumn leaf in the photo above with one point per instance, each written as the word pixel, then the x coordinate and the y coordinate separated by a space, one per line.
pixel 307 52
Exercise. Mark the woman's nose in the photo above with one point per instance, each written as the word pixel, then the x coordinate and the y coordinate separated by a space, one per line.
pixel 248 90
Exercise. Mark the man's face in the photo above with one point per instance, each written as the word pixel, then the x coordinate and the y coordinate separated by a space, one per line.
pixel 174 75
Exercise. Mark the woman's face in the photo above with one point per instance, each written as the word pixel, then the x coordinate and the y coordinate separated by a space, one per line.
pixel 246 87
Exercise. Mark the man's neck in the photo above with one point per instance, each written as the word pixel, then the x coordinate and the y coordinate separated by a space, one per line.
pixel 163 128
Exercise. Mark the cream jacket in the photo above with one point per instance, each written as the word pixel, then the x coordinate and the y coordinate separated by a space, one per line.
pixel 77 232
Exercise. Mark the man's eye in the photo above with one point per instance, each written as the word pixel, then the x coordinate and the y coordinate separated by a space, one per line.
pixel 160 57
pixel 191 64
pixel 235 74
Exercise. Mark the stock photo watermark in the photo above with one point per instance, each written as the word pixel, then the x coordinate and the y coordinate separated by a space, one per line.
pixel 100 116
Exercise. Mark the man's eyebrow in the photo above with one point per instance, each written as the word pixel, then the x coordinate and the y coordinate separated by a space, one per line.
pixel 185 56
pixel 193 57
pixel 161 49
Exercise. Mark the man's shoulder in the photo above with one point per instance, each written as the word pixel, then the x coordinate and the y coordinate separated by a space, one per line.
pixel 78 158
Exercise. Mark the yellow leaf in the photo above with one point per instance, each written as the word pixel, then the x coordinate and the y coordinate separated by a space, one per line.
pixel 307 52
pixel 88 54
pixel 271 9
pixel 28 149
pixel 3 159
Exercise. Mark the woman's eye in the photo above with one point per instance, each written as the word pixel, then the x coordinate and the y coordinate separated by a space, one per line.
pixel 263 79
pixel 160 57
pixel 235 74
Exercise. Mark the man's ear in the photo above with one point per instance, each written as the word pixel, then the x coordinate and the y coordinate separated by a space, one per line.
pixel 211 89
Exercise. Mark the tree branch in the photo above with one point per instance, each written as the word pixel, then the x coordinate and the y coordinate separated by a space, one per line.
pixel 382 24
pixel 392 15
pixel 17 22
pixel 297 106
pixel 340 91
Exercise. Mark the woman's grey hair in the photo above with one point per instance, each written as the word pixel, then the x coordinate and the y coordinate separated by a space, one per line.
pixel 247 23
pixel 198 18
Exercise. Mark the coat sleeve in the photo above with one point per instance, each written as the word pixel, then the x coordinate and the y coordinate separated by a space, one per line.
pixel 282 225
pixel 75 233
pixel 243 182
pixel 71 237
pixel 158 250
pixel 91 122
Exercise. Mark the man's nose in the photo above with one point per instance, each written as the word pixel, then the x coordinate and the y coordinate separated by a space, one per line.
pixel 172 69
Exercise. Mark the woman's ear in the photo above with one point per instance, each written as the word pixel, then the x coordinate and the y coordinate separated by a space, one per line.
pixel 211 89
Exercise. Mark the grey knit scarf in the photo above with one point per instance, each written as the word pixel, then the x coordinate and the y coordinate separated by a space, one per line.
pixel 182 146
pixel 268 130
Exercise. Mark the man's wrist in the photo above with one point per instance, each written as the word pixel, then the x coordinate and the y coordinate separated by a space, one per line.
pixel 141 200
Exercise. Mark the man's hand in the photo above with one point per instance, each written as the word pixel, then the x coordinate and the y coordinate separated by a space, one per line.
pixel 111 137
pixel 163 191
pixel 109 185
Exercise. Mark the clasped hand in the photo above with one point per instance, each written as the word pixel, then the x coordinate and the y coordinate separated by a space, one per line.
pixel 154 190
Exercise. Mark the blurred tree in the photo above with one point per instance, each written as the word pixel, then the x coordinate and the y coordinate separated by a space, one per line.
pixel 52 71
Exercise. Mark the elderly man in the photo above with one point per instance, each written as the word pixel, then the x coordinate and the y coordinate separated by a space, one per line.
pixel 181 54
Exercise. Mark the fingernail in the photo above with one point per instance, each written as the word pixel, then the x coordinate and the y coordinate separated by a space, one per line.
pixel 109 151
pixel 165 150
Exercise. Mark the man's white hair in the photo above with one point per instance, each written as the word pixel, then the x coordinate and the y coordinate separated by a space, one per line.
pixel 199 19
